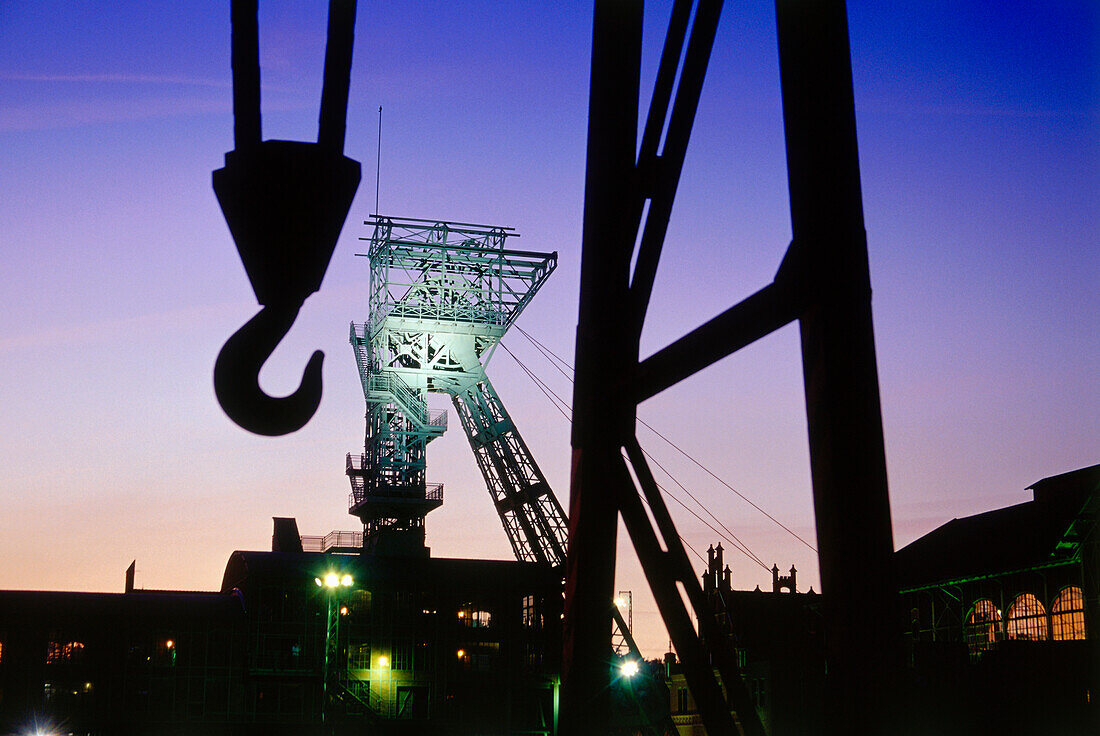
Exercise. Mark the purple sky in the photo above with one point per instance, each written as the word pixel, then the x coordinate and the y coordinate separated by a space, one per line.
pixel 979 132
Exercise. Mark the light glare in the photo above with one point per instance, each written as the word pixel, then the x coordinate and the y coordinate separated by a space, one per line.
pixel 332 580
pixel 629 668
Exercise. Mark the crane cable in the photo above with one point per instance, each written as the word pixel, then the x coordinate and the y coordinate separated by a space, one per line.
pixel 555 359
pixel 559 403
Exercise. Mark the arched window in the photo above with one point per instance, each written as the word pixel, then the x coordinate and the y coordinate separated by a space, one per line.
pixel 1027 619
pixel 1067 615
pixel 983 626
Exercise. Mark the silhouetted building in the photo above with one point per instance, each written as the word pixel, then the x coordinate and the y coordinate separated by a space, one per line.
pixel 399 644
pixel 777 639
pixel 1000 611
pixel 119 663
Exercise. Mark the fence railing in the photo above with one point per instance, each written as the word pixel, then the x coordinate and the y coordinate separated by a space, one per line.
pixel 332 540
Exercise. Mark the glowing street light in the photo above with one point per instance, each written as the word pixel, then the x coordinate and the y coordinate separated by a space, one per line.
pixel 620 601
pixel 383 661
pixel 332 582
pixel 629 668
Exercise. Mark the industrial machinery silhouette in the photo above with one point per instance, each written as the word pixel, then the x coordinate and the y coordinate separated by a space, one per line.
pixel 285 203
pixel 823 282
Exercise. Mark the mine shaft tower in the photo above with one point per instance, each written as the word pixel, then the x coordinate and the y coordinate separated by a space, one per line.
pixel 442 295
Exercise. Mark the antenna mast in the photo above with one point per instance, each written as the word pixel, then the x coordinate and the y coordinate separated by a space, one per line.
pixel 378 161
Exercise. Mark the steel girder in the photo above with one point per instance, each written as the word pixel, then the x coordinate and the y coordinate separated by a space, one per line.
pixel 823 282
pixel 530 512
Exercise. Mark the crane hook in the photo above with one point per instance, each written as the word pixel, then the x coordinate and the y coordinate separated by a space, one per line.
pixel 285 203
pixel 237 375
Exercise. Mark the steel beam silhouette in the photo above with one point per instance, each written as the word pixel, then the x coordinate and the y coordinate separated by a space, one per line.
pixel 823 282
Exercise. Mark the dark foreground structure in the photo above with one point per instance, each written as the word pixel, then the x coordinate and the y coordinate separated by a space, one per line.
pixel 397 645
pixel 999 613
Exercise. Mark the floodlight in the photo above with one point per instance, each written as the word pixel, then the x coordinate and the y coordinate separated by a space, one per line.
pixel 332 580
pixel 346 581
pixel 629 668
pixel 620 601
pixel 318 581
pixel 383 661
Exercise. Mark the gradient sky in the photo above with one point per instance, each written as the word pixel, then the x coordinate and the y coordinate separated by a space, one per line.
pixel 979 132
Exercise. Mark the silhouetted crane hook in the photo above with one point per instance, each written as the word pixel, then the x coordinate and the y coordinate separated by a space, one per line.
pixel 237 370
pixel 285 203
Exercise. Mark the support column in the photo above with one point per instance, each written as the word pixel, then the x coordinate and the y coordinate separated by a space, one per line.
pixel 603 416
pixel 847 456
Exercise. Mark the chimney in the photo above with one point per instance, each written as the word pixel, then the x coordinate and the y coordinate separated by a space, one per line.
pixel 726 579
pixel 130 576
pixel 285 537
pixel 775 578
pixel 718 565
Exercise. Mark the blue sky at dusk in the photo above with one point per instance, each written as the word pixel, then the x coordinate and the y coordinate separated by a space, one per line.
pixel 979 133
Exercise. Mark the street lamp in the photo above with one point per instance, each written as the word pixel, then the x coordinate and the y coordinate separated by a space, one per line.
pixel 331 583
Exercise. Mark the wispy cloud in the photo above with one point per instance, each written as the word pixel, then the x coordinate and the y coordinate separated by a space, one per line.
pixel 110 78
pixel 74 113
pixel 185 319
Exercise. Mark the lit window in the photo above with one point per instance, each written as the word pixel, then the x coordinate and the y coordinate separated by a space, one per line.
pixel 1067 615
pixel 532 613
pixel 474 618
pixel 1027 619
pixel 1 651
pixel 58 651
pixel 983 626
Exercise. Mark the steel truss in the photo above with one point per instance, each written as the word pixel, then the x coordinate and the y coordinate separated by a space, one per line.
pixel 531 514
pixel 442 295
pixel 823 282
